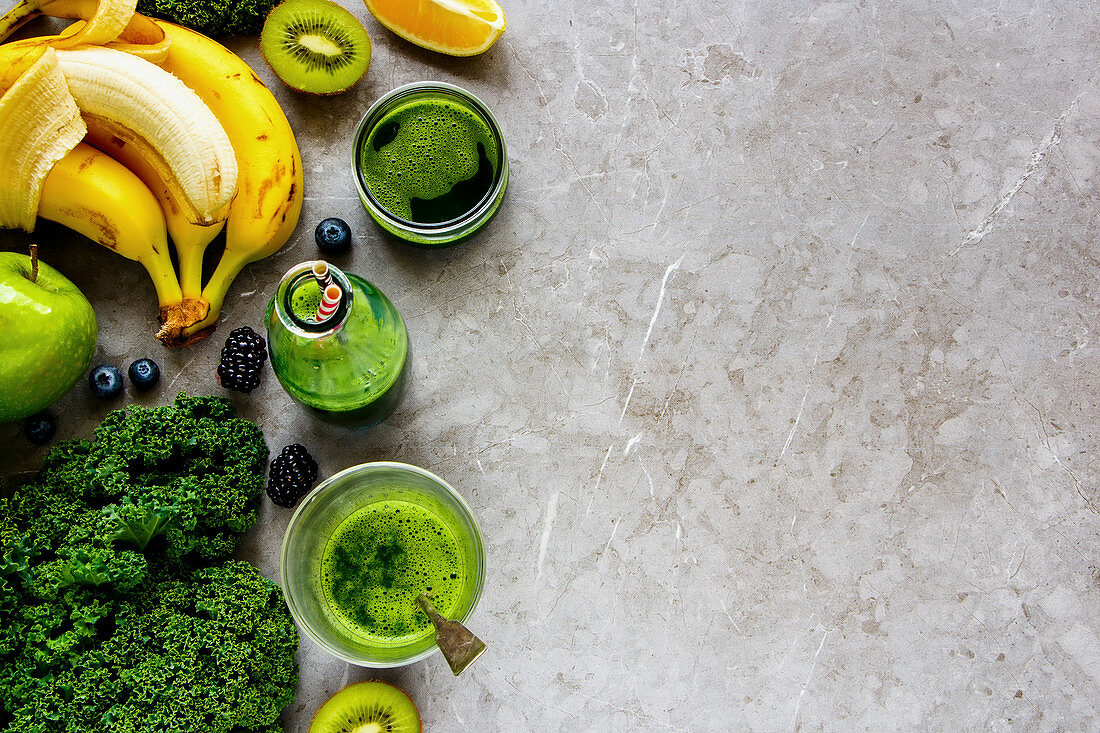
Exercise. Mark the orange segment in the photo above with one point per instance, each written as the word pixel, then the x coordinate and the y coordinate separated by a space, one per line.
pixel 454 27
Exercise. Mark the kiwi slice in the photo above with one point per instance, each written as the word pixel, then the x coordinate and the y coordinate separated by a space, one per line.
pixel 315 46
pixel 367 707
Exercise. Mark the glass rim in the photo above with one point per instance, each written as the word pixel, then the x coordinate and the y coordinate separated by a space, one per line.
pixel 313 496
pixel 444 228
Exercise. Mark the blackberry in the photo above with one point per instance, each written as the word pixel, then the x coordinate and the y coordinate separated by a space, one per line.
pixel 292 475
pixel 243 358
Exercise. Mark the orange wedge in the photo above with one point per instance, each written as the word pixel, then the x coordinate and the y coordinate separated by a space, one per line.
pixel 453 27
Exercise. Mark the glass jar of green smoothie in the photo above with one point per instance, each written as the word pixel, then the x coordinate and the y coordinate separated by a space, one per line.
pixel 348 367
pixel 430 164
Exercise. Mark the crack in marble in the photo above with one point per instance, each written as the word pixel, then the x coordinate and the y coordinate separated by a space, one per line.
pixel 179 374
pixel 649 332
pixel 1045 436
pixel 820 346
pixel 1036 163
pixel 806 684
pixel 535 699
pixel 547 526
pixel 626 404
pixel 683 368
pixel 614 529
pixel 632 713
pixel 648 478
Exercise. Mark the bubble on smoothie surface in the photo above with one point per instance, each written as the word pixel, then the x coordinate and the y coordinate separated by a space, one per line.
pixel 305 299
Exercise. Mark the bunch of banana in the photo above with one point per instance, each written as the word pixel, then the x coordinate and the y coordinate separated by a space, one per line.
pixel 200 145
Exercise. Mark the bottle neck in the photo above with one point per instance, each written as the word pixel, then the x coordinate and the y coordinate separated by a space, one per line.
pixel 299 294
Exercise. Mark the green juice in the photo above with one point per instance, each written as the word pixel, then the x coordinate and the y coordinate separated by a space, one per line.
pixel 305 299
pixel 380 559
pixel 429 161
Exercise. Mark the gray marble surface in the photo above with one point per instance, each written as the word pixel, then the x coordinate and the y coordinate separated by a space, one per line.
pixel 774 384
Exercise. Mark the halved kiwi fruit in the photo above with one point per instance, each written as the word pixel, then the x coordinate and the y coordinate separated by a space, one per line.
pixel 315 46
pixel 367 707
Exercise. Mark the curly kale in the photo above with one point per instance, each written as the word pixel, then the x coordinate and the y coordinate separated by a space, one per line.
pixel 119 612
pixel 211 17
pixel 190 472
pixel 213 651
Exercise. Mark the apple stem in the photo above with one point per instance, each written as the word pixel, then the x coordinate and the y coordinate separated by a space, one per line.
pixel 34 262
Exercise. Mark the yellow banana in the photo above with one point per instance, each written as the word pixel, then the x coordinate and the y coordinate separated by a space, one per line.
pixel 191 230
pixel 91 193
pixel 48 82
pixel 189 239
pixel 268 203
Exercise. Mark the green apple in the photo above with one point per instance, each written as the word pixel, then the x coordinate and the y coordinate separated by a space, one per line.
pixel 47 336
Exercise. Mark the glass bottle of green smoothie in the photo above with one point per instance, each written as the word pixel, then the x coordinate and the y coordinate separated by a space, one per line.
pixel 348 366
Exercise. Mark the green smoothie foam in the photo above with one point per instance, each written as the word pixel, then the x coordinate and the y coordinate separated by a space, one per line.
pixel 304 301
pixel 380 559
pixel 429 161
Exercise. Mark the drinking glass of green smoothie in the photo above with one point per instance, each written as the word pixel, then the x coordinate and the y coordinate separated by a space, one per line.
pixel 430 164
pixel 363 545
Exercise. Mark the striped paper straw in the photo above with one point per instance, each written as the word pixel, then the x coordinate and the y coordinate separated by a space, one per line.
pixel 330 301
pixel 321 274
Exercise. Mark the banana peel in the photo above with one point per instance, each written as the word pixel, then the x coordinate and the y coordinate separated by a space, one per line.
pixel 106 20
pixel 141 37
pixel 41 124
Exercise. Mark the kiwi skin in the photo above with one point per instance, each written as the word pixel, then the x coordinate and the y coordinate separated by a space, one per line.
pixel 291 62
pixel 319 726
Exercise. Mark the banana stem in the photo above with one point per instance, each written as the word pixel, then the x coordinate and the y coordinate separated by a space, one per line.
pixel 216 289
pixel 176 311
pixel 190 261
pixel 176 317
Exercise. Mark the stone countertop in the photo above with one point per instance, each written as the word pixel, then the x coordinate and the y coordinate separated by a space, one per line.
pixel 773 385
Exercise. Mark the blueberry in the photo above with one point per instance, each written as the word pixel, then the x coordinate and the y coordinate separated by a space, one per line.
pixel 105 381
pixel 39 428
pixel 333 235
pixel 144 373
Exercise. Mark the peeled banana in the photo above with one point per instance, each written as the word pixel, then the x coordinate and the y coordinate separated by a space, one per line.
pixel 91 193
